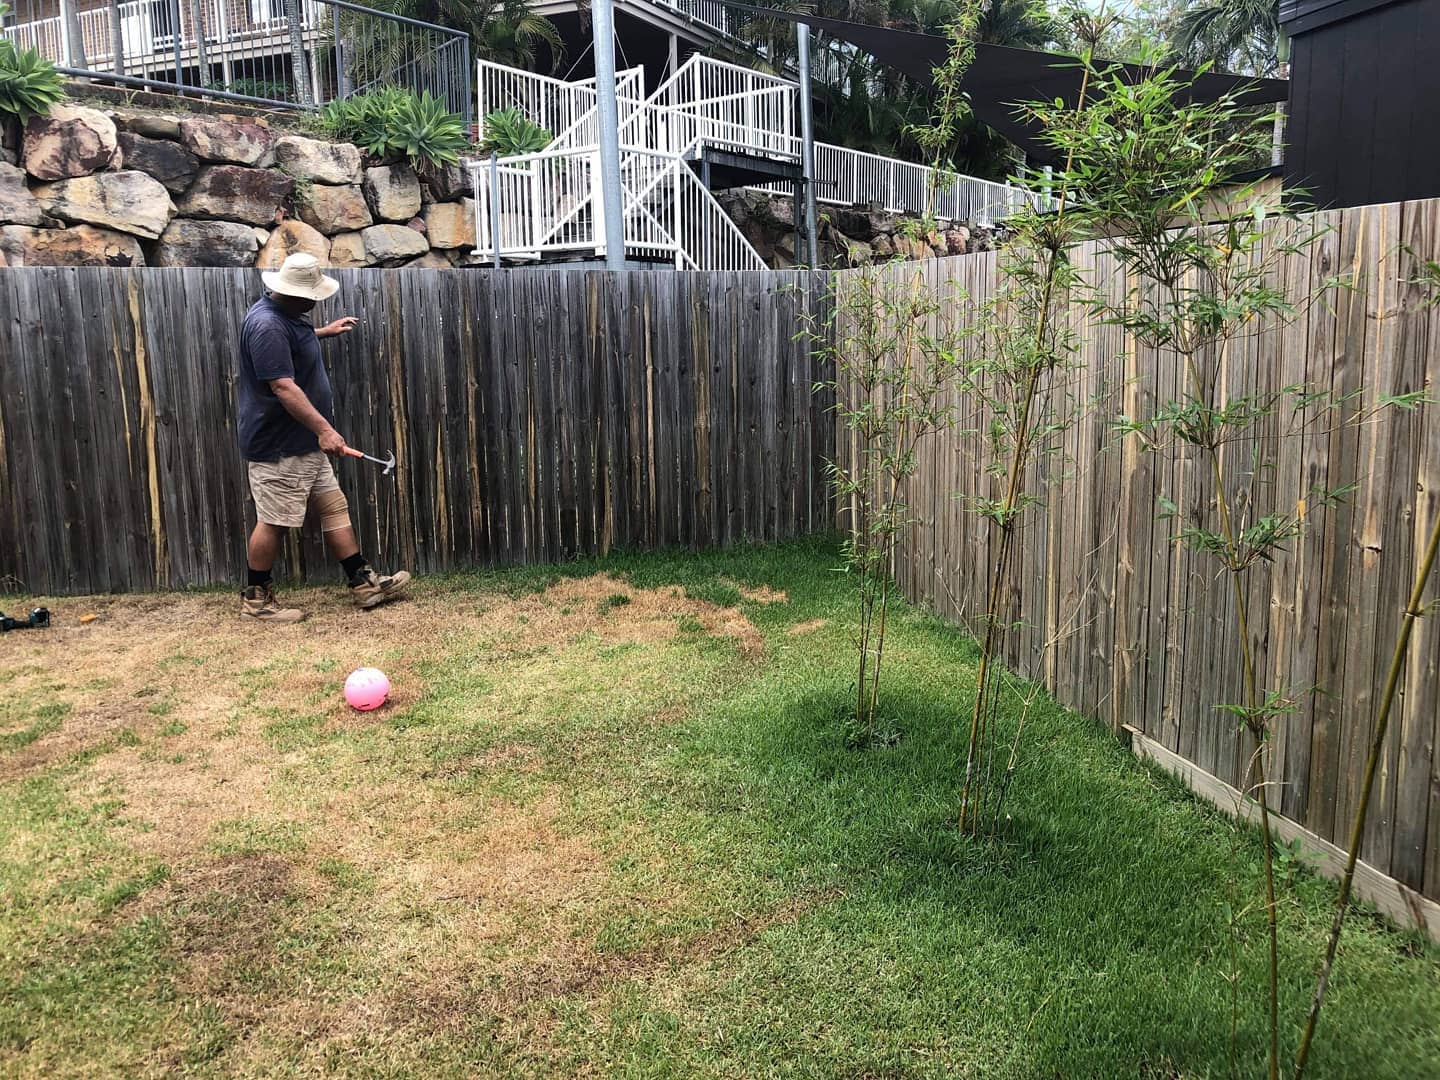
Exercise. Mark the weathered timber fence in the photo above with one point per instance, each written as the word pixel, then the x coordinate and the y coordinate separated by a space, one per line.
pixel 1120 621
pixel 536 416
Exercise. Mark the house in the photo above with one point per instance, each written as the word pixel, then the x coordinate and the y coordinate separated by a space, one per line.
pixel 239 46
pixel 1364 100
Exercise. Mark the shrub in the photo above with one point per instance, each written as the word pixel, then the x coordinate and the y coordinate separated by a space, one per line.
pixel 509 132
pixel 391 121
pixel 29 84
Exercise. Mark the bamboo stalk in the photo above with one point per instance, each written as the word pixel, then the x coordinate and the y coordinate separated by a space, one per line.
pixel 1413 611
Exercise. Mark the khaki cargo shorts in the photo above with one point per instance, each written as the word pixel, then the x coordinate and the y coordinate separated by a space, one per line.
pixel 282 489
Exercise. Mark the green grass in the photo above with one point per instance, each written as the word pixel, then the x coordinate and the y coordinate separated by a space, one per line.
pixel 726 887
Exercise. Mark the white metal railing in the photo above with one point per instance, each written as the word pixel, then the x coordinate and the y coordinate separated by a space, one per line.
pixel 549 202
pixel 244 42
pixel 554 104
pixel 845 177
pixel 709 13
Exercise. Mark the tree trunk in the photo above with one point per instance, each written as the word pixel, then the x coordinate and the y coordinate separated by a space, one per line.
pixel 299 68
pixel 197 30
pixel 117 39
pixel 1277 139
pixel 75 57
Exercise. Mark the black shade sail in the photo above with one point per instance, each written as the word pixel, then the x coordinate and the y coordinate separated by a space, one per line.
pixel 1001 77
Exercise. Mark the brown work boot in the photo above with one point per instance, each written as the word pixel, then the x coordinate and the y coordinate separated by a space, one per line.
pixel 260 603
pixel 371 590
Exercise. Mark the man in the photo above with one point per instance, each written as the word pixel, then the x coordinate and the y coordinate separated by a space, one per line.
pixel 286 425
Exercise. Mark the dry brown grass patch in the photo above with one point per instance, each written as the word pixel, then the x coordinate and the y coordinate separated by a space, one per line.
pixel 617 613
pixel 808 627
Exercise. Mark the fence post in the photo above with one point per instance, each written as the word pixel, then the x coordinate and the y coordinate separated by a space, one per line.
pixel 470 115
pixel 495 205
pixel 175 30
pixel 342 88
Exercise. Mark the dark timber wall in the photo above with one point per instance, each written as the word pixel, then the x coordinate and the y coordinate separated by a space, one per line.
pixel 536 417
pixel 1364 100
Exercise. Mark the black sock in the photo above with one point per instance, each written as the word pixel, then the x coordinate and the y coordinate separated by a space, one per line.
pixel 257 579
pixel 352 566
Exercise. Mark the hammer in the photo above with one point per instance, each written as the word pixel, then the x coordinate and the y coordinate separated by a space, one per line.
pixel 350 451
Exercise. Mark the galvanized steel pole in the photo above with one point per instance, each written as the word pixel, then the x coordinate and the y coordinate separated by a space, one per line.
pixel 612 201
pixel 807 146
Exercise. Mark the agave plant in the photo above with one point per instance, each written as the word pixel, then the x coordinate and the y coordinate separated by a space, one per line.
pixel 29 84
pixel 509 132
pixel 426 132
pixel 390 121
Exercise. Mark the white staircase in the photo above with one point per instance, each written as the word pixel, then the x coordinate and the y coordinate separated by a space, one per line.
pixel 550 206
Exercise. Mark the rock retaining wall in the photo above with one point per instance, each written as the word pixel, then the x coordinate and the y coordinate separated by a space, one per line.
pixel 856 236
pixel 93 187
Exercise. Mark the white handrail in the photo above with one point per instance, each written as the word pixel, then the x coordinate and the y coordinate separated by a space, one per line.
pixel 549 200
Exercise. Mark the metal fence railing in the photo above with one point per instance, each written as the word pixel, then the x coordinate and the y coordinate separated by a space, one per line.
pixel 292 53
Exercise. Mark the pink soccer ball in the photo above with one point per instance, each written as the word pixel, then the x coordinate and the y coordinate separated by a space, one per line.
pixel 367 688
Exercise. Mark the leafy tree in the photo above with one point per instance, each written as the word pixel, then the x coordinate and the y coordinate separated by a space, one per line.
pixel 1234 35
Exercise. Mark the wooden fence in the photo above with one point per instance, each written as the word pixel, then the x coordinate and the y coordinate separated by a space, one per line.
pixel 536 417
pixel 1123 623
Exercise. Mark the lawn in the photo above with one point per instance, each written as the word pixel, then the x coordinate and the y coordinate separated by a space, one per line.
pixel 610 824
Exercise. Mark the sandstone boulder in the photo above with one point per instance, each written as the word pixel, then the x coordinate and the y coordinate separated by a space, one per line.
pixel 957 240
pixel 125 201
pixel 232 141
pixel 288 238
pixel 206 243
pixel 169 162
pixel 448 183
pixel 70 142
pixel 432 260
pixel 234 193
pixel 17 205
pixel 333 209
pixel 347 251
pixel 393 192
pixel 857 253
pixel 321 162
pixel 149 125
pixel 389 243
pixel 84 245
pixel 883 247
pixel 451 225
pixel 262 236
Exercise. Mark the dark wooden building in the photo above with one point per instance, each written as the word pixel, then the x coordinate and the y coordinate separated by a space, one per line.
pixel 1364 122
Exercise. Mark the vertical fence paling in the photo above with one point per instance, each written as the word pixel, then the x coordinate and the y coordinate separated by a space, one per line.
pixel 247 50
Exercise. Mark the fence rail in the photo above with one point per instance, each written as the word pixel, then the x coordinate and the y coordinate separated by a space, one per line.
pixel 536 416
pixel 1122 623
pixel 288 53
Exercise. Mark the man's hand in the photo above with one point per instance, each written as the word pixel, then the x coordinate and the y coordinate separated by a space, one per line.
pixel 331 442
pixel 340 326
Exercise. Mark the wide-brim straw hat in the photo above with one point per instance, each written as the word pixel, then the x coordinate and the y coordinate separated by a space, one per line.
pixel 300 275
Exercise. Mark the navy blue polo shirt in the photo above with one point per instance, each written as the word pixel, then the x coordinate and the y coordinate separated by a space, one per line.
pixel 275 346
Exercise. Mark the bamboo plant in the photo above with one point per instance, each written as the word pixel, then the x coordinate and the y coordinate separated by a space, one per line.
pixel 1202 258
pixel 894 342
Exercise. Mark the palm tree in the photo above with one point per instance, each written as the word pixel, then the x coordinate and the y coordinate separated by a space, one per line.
pixel 1242 36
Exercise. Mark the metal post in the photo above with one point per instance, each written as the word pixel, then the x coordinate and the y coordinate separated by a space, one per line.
pixel 470 115
pixel 705 179
pixel 67 50
pixel 602 27
pixel 807 148
pixel 495 205
pixel 798 201
pixel 175 29
pixel 341 90
pixel 674 55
